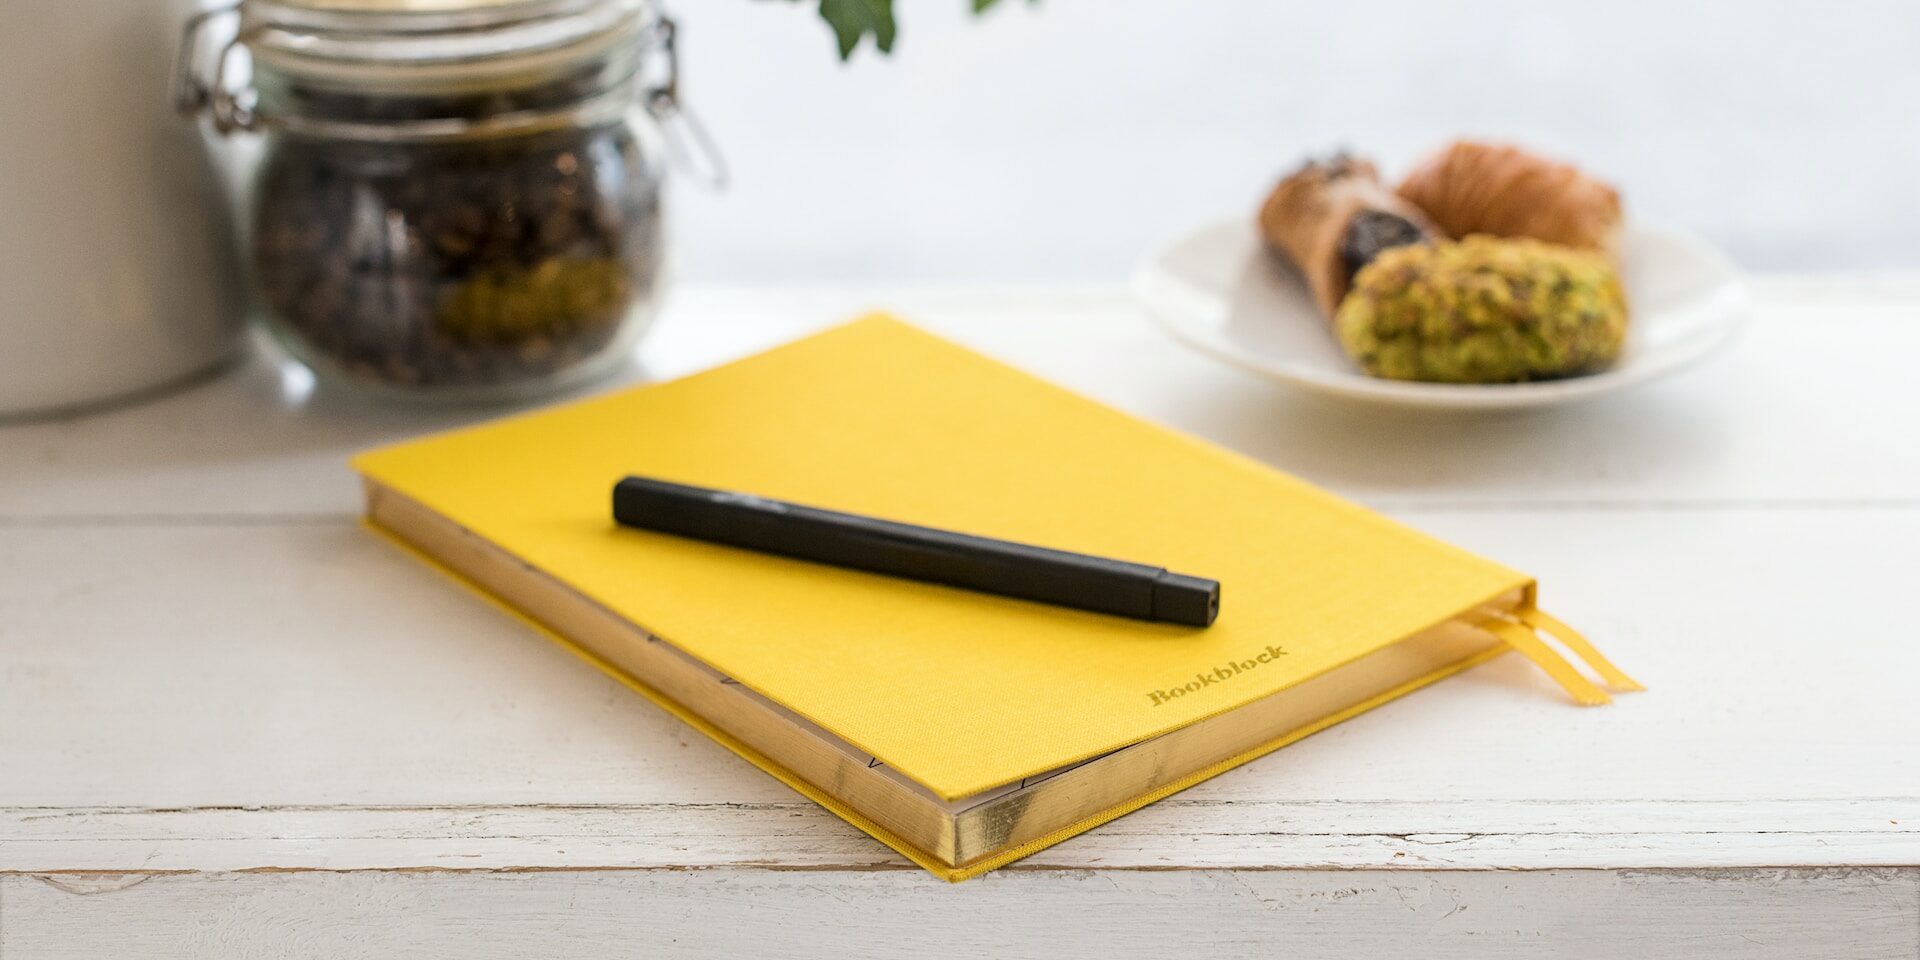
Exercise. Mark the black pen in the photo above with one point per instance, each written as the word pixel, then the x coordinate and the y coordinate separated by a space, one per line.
pixel 917 553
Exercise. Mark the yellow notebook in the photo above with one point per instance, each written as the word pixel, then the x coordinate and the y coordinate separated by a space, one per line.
pixel 963 729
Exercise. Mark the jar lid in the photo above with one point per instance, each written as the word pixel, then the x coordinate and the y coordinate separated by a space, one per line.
pixel 415 6
pixel 434 44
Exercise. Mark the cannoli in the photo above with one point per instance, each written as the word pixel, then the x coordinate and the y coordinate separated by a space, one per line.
pixel 1333 217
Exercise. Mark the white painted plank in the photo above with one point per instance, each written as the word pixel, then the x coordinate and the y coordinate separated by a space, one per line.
pixel 1801 409
pixel 309 670
pixel 1200 828
pixel 1859 914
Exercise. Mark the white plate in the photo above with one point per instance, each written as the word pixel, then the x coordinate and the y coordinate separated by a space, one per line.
pixel 1220 291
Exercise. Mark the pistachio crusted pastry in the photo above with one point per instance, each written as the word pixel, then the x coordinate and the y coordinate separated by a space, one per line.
pixel 1483 310
pixel 1331 217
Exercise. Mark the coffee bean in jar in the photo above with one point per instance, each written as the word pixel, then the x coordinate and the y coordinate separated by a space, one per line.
pixel 456 265
pixel 460 226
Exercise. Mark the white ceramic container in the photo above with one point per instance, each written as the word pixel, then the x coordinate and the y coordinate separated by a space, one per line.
pixel 116 261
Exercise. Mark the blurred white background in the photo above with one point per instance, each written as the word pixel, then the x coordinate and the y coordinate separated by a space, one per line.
pixel 1065 140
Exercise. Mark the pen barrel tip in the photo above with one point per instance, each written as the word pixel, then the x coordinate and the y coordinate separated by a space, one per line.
pixel 1178 598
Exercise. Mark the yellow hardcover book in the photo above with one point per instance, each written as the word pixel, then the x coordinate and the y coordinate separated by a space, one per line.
pixel 964 730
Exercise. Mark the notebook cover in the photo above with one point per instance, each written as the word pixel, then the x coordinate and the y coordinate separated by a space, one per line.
pixel 959 691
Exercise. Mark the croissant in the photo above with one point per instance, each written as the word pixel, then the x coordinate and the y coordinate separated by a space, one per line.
pixel 1505 191
pixel 1332 217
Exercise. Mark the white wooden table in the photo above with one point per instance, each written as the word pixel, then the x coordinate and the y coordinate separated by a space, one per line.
pixel 233 724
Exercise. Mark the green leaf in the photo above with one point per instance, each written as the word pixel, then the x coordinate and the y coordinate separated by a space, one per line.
pixel 853 19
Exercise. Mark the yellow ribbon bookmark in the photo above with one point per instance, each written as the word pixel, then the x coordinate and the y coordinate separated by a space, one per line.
pixel 1582 690
pixel 1571 638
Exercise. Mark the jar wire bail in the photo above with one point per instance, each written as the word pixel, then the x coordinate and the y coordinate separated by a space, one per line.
pixel 689 146
pixel 191 92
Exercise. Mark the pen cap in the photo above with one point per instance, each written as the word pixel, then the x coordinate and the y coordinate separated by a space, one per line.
pixel 1178 598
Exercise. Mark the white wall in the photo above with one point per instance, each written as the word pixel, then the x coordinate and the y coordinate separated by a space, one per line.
pixel 1064 140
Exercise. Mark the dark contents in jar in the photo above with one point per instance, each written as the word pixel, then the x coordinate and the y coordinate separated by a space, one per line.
pixel 460 263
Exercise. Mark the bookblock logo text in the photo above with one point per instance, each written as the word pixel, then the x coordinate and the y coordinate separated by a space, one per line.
pixel 1220 674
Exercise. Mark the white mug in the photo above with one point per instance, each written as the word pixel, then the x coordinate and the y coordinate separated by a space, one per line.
pixel 116 260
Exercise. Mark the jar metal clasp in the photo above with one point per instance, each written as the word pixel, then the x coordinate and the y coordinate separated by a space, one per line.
pixel 689 145
pixel 191 92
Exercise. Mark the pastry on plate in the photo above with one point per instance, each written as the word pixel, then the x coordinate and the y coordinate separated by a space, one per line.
pixel 1333 217
pixel 1483 310
pixel 1474 187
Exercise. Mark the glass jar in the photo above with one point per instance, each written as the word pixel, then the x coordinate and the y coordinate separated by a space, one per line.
pixel 453 199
